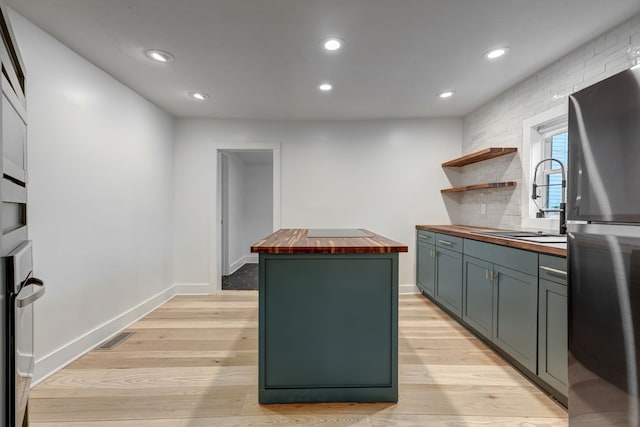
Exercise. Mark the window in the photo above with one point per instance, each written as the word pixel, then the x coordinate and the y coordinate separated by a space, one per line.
pixel 554 145
pixel 544 136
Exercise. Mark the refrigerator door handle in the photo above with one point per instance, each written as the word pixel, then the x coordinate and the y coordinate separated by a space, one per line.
pixel 23 302
pixel 576 202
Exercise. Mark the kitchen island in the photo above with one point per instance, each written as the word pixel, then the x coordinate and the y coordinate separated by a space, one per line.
pixel 328 316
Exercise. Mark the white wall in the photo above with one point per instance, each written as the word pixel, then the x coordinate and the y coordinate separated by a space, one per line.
pixel 258 199
pixel 381 175
pixel 236 208
pixel 249 206
pixel 100 199
pixel 499 122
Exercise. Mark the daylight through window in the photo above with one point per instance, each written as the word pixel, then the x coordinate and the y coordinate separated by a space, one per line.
pixel 555 146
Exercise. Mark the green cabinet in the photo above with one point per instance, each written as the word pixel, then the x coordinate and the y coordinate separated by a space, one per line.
pixel 552 322
pixel 516 299
pixel 515 314
pixel 426 262
pixel 449 280
pixel 501 298
pixel 439 268
pixel 328 328
pixel 477 295
pixel 448 291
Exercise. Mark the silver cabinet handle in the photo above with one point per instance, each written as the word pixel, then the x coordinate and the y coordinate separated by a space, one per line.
pixel 553 270
pixel 23 302
pixel 445 242
pixel 486 274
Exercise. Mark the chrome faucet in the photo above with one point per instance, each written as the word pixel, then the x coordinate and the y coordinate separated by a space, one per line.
pixel 563 205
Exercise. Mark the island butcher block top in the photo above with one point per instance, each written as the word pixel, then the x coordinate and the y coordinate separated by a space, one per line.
pixel 330 241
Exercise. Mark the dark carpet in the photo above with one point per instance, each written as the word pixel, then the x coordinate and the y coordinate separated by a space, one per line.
pixel 245 278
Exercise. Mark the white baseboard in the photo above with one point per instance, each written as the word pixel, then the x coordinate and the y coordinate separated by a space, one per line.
pixel 251 259
pixel 193 289
pixel 247 259
pixel 234 266
pixel 408 288
pixel 58 359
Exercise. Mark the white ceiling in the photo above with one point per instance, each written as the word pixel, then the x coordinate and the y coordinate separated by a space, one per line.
pixel 263 58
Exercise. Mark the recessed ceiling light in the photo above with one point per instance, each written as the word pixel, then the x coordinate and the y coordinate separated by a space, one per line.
pixel 159 55
pixel 332 44
pixel 496 53
pixel 325 87
pixel 446 94
pixel 200 96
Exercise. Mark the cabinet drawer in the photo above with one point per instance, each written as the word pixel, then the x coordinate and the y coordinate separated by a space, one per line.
pixel 449 242
pixel 516 259
pixel 553 268
pixel 427 237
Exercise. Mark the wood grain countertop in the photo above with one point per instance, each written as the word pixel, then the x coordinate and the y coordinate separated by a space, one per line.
pixel 295 241
pixel 469 232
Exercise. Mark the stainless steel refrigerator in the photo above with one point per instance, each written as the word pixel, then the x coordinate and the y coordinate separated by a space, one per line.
pixel 604 252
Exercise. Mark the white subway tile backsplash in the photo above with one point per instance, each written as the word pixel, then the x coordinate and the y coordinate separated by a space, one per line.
pixel 499 121
pixel 595 70
pixel 572 67
pixel 620 64
pixel 595 59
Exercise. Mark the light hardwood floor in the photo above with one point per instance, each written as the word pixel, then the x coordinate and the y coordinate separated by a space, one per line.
pixel 193 363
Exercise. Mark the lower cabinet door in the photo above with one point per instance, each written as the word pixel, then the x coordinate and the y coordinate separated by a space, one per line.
pixel 426 268
pixel 552 335
pixel 477 295
pixel 515 324
pixel 449 280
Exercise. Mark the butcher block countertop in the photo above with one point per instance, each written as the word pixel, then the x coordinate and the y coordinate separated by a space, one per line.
pixel 468 232
pixel 296 241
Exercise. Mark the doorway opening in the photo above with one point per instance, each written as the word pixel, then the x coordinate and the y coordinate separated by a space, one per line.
pixel 246 209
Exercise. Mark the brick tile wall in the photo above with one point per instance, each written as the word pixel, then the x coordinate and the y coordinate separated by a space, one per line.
pixel 499 122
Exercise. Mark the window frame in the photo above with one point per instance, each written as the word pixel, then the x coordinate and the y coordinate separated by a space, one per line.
pixel 551 168
pixel 552 120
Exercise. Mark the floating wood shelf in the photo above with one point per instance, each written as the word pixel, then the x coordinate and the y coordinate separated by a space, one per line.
pixel 478 156
pixel 486 186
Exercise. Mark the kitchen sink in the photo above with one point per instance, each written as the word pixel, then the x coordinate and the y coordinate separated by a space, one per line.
pixel 529 236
